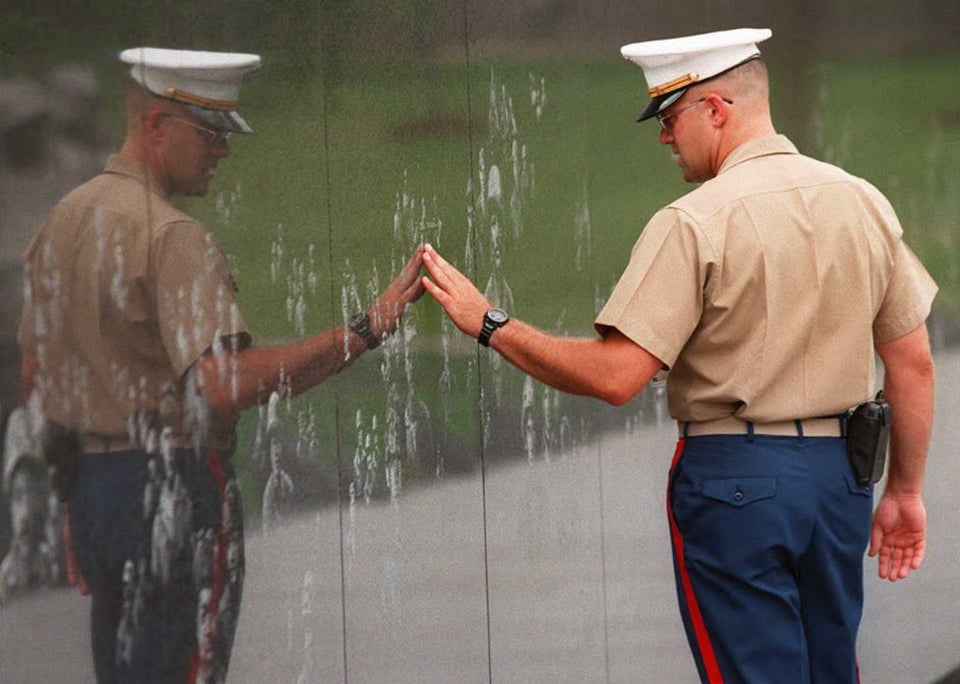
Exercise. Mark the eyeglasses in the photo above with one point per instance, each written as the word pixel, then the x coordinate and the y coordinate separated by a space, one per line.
pixel 213 137
pixel 665 119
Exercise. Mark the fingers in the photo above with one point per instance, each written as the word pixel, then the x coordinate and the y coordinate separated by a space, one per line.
pixel 888 564
pixel 455 292
pixel 894 563
pixel 442 272
pixel 416 261
pixel 415 290
pixel 876 539
pixel 434 290
pixel 411 269
pixel 897 562
pixel 436 265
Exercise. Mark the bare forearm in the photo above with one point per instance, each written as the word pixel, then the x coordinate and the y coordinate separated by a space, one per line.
pixel 908 386
pixel 912 401
pixel 232 382
pixel 611 370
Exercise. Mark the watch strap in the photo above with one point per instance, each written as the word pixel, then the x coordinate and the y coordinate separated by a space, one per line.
pixel 490 325
pixel 359 323
pixel 486 331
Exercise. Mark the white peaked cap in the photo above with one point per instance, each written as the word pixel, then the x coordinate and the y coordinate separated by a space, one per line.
pixel 207 83
pixel 673 65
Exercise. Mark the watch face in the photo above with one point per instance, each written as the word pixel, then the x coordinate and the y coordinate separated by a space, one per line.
pixel 498 316
pixel 358 321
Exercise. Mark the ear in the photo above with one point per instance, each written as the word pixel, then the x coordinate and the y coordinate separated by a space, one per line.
pixel 718 107
pixel 153 124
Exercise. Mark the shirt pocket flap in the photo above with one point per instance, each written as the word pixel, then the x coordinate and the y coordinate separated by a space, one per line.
pixel 740 491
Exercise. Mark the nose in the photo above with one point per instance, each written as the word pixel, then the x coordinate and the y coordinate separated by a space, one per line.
pixel 220 148
pixel 666 137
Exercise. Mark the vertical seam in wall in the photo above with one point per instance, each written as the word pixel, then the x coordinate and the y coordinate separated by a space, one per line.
pixel 333 307
pixel 480 407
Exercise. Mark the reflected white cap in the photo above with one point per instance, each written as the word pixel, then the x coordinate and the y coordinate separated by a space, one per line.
pixel 207 83
pixel 673 65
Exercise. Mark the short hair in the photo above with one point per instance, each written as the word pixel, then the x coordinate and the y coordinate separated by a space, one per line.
pixel 748 80
pixel 138 100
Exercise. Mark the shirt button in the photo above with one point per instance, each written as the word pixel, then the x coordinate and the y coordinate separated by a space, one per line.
pixel 737 495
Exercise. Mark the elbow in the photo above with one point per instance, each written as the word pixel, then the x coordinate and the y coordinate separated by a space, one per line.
pixel 220 402
pixel 914 370
pixel 618 388
pixel 617 400
pixel 925 368
pixel 212 393
pixel 926 376
pixel 616 393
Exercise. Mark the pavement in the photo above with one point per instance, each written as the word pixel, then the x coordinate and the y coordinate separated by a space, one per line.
pixel 548 571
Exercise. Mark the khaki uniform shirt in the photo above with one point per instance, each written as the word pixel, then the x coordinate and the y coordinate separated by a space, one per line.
pixel 123 294
pixel 765 289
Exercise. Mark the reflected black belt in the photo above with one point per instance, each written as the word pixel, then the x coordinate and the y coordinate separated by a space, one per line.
pixel 100 444
pixel 730 425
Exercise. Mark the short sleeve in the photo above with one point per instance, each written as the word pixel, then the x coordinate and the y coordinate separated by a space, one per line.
pixel 908 298
pixel 658 300
pixel 196 294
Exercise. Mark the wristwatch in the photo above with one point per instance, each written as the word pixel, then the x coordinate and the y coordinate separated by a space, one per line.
pixel 493 319
pixel 360 324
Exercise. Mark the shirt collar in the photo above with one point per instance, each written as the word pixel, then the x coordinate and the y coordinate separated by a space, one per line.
pixel 758 147
pixel 125 165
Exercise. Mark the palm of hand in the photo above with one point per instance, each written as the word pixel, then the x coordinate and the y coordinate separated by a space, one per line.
pixel 899 535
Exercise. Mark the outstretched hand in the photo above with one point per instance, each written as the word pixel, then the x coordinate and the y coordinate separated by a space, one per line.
pixel 458 296
pixel 898 535
pixel 405 289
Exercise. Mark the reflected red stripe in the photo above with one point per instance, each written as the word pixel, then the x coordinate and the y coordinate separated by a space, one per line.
pixel 707 656
pixel 205 645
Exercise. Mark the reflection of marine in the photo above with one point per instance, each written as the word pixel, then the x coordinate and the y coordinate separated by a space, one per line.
pixel 134 343
pixel 765 291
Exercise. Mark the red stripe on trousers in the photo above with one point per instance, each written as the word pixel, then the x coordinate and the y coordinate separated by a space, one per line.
pixel 707 656
pixel 204 650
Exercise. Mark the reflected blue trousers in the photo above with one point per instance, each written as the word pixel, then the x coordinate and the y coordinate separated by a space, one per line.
pixel 160 546
pixel 768 537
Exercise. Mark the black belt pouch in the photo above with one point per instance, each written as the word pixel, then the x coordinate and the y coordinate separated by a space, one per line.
pixel 61 450
pixel 868 435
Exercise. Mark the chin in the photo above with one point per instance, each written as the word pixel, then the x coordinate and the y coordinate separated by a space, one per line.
pixel 198 190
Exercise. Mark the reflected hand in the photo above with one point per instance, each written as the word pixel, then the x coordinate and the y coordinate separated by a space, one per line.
pixel 458 296
pixel 405 289
pixel 898 535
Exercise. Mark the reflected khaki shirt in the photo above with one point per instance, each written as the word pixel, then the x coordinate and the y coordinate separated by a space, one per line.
pixel 765 289
pixel 123 293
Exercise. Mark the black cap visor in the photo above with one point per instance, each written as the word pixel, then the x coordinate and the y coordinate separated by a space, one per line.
pixel 229 121
pixel 659 103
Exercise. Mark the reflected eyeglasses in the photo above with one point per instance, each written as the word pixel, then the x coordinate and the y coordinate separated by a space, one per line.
pixel 665 120
pixel 213 137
